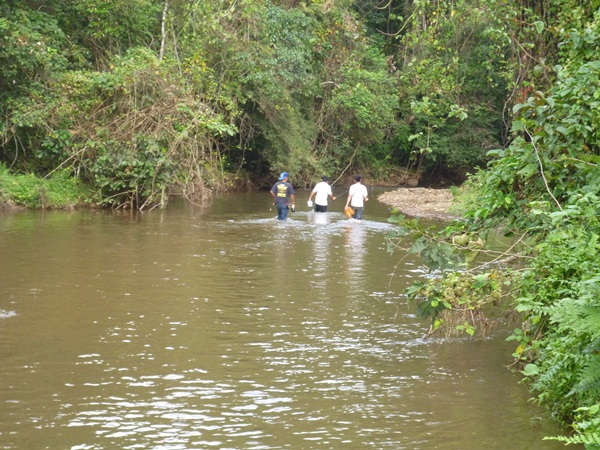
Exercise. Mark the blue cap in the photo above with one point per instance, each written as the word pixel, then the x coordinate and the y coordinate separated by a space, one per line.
pixel 283 176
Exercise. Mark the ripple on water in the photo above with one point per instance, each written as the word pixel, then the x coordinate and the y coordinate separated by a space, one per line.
pixel 7 314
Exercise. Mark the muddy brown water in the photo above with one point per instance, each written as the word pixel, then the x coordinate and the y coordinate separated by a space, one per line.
pixel 214 326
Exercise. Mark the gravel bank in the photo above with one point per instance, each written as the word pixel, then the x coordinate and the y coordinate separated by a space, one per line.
pixel 420 202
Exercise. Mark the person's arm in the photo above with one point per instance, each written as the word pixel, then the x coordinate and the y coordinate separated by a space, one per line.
pixel 311 196
pixel 293 197
pixel 348 200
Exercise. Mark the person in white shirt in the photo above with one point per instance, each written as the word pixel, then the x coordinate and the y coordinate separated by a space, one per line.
pixel 321 191
pixel 357 195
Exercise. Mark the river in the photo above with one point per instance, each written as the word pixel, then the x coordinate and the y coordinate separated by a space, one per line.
pixel 214 326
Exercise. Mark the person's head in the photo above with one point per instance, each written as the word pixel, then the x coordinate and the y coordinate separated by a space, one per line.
pixel 325 178
pixel 283 176
pixel 358 178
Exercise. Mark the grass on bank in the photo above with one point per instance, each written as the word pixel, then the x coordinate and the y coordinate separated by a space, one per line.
pixel 60 190
pixel 465 195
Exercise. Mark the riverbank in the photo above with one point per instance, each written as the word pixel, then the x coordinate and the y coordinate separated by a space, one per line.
pixel 416 202
pixel 61 191
pixel 421 202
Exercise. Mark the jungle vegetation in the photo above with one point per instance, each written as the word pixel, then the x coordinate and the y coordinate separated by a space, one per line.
pixel 541 190
pixel 140 99
pixel 125 102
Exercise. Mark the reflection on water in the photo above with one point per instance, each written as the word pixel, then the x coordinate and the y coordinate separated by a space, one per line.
pixel 215 326
pixel 321 241
pixel 355 251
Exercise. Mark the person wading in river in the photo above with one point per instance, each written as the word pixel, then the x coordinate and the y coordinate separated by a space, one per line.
pixel 322 191
pixel 284 195
pixel 357 195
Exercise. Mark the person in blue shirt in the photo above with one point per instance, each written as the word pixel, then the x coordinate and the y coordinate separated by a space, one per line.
pixel 284 195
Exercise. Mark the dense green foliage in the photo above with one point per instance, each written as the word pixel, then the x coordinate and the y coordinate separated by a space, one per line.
pixel 60 190
pixel 142 98
pixel 456 64
pixel 544 188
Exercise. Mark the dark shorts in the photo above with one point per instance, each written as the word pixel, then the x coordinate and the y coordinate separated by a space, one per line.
pixel 358 212
pixel 320 208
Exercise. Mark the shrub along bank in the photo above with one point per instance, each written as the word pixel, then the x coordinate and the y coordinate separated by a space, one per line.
pixel 543 191
pixel 59 190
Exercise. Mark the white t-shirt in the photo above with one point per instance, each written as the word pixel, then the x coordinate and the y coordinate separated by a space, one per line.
pixel 358 192
pixel 322 190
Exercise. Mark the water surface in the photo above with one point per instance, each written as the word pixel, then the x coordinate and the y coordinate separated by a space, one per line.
pixel 215 326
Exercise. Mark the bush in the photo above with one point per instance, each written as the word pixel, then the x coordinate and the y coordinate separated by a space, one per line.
pixel 60 190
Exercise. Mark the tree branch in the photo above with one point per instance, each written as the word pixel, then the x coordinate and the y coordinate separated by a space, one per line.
pixel 542 169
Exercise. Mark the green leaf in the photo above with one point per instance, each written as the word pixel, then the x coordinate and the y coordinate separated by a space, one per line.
pixel 530 370
pixel 418 246
pixel 539 26
pixel 414 288
pixel 481 280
